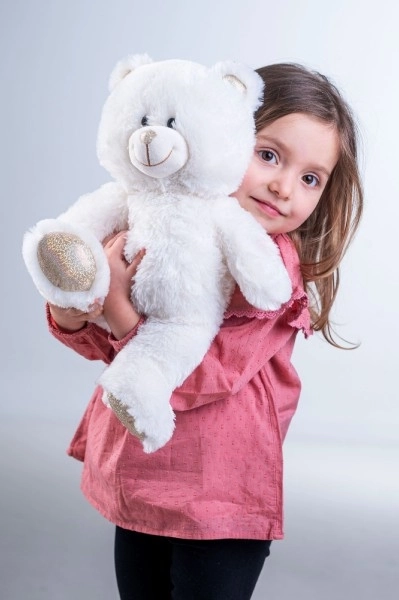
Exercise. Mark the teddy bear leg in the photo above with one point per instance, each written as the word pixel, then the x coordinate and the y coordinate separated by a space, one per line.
pixel 67 264
pixel 139 396
pixel 139 382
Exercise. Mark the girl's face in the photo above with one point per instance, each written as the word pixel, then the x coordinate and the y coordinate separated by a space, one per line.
pixel 293 159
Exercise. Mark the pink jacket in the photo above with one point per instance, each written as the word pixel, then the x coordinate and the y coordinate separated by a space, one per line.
pixel 220 476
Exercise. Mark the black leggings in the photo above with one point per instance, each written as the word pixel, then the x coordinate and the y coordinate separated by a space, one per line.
pixel 150 567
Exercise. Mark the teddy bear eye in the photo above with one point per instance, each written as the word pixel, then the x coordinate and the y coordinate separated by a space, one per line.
pixel 171 122
pixel 144 121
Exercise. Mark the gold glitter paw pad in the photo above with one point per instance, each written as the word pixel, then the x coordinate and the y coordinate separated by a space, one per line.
pixel 124 417
pixel 66 261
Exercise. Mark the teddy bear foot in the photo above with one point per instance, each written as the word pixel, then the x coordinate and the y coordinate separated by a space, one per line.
pixel 121 412
pixel 153 428
pixel 66 261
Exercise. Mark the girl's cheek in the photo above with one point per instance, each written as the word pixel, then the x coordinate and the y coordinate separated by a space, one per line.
pixel 243 186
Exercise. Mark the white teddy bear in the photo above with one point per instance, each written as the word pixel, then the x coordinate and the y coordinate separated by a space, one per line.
pixel 177 138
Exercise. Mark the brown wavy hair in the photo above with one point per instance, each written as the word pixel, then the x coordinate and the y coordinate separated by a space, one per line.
pixel 323 239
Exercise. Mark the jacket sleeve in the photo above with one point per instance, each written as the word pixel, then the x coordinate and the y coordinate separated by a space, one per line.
pixel 92 342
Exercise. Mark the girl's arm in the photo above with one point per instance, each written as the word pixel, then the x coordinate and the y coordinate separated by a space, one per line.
pixel 72 319
pixel 90 341
pixel 118 309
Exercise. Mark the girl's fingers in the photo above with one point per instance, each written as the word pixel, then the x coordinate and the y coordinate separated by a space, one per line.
pixel 94 313
pixel 136 261
pixel 139 257
pixel 95 306
pixel 94 309
pixel 110 240
pixel 72 312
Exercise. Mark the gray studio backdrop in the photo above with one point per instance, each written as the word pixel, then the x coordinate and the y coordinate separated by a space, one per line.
pixel 342 451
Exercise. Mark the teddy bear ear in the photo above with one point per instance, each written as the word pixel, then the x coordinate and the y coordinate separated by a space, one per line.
pixel 126 66
pixel 243 79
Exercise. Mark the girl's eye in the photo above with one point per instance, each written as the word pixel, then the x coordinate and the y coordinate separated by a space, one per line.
pixel 144 121
pixel 171 122
pixel 310 180
pixel 268 156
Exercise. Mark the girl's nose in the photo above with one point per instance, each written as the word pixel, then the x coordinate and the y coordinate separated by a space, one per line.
pixel 281 186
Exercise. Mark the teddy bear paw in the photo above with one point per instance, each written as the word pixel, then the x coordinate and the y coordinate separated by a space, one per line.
pixel 66 261
pixel 122 413
pixel 153 428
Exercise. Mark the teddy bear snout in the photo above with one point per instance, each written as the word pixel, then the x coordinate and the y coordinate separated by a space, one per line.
pixel 157 151
pixel 147 136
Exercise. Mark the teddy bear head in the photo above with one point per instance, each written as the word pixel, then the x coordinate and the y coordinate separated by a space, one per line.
pixel 178 126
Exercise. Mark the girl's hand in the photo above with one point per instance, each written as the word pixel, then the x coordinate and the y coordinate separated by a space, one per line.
pixel 73 319
pixel 118 309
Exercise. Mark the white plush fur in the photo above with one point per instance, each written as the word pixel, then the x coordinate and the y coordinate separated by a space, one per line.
pixel 196 141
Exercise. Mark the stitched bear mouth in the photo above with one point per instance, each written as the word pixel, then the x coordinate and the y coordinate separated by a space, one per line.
pixel 157 151
pixel 149 164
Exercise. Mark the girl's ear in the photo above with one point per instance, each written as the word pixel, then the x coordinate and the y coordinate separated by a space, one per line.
pixel 243 79
pixel 126 66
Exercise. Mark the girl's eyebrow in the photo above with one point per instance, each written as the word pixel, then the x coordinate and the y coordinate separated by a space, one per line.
pixel 276 142
pixel 321 169
pixel 271 140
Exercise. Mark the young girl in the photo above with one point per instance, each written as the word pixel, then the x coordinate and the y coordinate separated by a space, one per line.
pixel 195 519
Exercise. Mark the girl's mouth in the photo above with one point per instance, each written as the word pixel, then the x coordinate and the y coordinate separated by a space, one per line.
pixel 267 208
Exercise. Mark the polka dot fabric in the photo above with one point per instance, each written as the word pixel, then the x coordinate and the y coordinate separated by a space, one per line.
pixel 220 476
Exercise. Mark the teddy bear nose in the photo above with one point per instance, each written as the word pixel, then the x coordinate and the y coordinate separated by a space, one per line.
pixel 147 136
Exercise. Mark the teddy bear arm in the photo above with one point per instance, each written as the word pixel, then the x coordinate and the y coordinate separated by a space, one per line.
pixel 253 259
pixel 65 257
pixel 102 212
